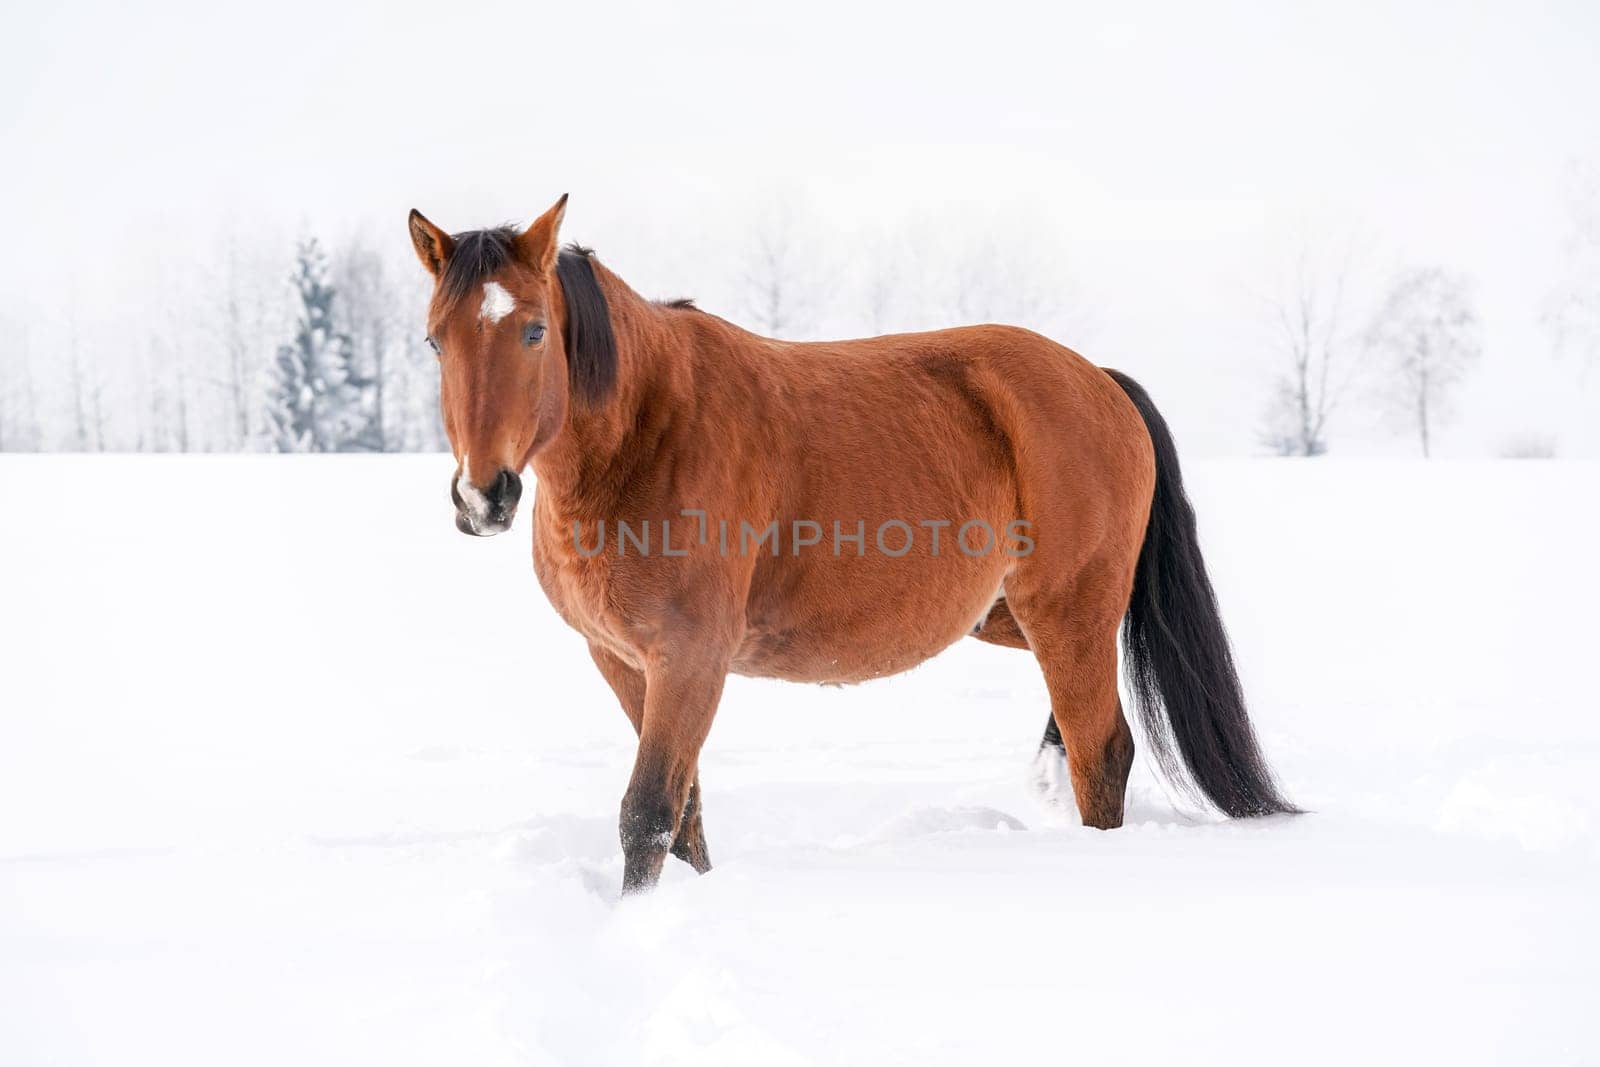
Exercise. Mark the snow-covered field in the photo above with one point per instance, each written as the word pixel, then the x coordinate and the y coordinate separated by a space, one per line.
pixel 293 773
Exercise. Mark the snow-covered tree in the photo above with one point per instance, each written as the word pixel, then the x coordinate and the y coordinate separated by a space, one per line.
pixel 288 403
pixel 1426 334
pixel 319 399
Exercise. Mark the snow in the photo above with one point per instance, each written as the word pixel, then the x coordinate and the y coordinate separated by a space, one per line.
pixel 497 303
pixel 252 815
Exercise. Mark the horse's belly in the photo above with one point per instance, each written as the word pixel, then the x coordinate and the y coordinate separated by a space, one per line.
pixel 843 628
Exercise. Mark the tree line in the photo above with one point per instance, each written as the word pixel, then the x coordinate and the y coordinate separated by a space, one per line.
pixel 316 353
pixel 1408 349
pixel 326 356
pixel 1409 352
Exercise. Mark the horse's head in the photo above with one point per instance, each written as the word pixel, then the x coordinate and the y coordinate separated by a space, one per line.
pixel 496 322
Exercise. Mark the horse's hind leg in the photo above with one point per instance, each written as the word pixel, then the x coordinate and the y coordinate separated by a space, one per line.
pixel 1081 674
pixel 1000 627
pixel 1073 633
pixel 689 843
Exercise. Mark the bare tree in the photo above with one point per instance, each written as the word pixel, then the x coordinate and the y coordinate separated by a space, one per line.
pixel 1572 312
pixel 180 392
pixel 163 394
pixel 30 397
pixel 98 411
pixel 1427 336
pixel 251 312
pixel 369 311
pixel 1014 279
pixel 19 415
pixel 991 284
pixel 889 275
pixel 237 346
pixel 880 293
pixel 379 305
pixel 1313 349
pixel 923 274
pixel 896 270
pixel 75 371
pixel 779 275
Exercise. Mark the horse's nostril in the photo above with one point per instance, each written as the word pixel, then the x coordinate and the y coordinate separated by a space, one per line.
pixel 505 490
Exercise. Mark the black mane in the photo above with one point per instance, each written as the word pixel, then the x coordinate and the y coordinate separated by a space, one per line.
pixel 590 342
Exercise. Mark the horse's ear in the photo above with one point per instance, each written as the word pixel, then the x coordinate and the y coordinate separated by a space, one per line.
pixel 537 244
pixel 433 244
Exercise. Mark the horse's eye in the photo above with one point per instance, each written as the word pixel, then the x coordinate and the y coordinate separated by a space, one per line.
pixel 533 333
pixel 432 344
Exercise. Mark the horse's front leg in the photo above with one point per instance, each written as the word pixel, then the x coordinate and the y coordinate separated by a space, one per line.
pixel 661 807
pixel 628 683
pixel 690 844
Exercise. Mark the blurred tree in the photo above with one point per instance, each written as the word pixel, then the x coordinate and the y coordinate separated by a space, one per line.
pixel 999 274
pixel 240 333
pixel 1314 350
pixel 382 298
pixel 1427 336
pixel 1572 312
pixel 779 276
pixel 368 314
pixel 76 381
pixel 19 414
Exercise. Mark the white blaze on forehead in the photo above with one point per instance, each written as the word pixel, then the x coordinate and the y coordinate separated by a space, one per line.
pixel 497 303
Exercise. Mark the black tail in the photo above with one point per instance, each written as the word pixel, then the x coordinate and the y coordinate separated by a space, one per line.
pixel 1177 656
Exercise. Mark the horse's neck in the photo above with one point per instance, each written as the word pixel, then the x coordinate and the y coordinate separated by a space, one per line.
pixel 600 450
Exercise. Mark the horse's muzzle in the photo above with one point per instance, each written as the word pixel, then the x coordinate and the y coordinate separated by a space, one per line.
pixel 487 511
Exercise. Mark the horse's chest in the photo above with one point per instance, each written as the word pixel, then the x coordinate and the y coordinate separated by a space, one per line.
pixel 579 587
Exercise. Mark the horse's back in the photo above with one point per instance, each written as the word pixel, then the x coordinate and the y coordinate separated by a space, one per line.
pixel 1031 415
pixel 963 433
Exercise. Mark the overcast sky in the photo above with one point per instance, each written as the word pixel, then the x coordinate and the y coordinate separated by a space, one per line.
pixel 1171 151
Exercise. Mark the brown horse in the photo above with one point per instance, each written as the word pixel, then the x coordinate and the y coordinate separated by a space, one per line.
pixel 711 501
